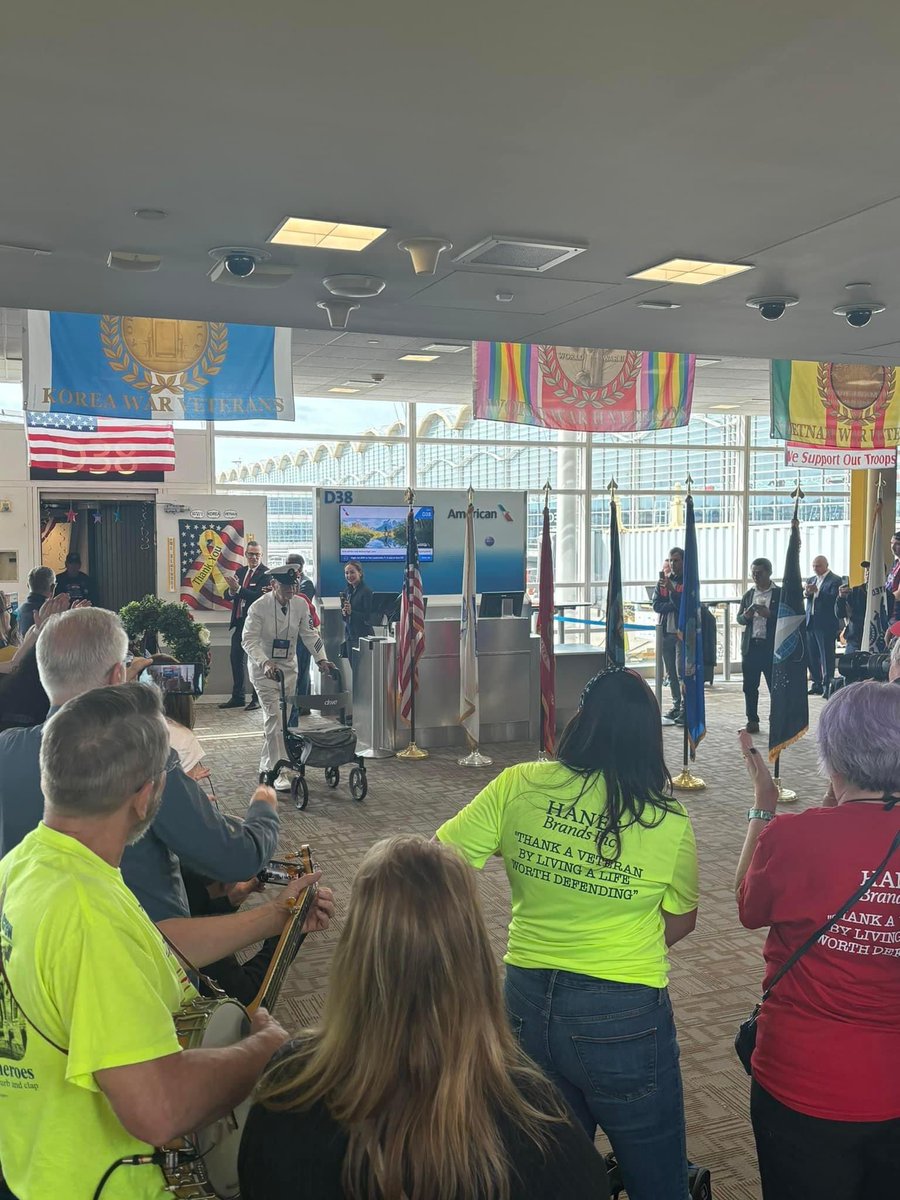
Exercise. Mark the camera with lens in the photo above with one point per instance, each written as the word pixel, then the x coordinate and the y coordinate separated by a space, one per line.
pixel 856 665
pixel 240 264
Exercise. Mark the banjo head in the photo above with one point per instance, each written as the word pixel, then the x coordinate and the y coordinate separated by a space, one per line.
pixel 213 1025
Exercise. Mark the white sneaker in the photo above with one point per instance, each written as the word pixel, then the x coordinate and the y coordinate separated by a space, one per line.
pixel 284 781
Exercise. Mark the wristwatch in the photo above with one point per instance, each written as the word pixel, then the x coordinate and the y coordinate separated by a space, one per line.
pixel 760 814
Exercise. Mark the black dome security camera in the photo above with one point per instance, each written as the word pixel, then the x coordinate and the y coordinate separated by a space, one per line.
pixel 770 308
pixel 240 264
pixel 859 314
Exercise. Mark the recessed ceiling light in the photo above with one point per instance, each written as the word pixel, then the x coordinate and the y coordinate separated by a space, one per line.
pixel 691 270
pixel 660 305
pixel 418 357
pixel 373 342
pixel 344 391
pixel 706 362
pixel 447 347
pixel 505 297
pixel 150 214
pixel 722 407
pixel 325 235
pixel 361 384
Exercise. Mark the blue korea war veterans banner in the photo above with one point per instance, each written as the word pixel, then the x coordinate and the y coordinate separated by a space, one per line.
pixel 157 369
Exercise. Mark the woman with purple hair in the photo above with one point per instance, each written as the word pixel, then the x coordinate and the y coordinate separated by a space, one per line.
pixel 825 1097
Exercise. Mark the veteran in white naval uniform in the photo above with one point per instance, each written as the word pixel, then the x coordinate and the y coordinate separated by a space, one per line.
pixel 273 624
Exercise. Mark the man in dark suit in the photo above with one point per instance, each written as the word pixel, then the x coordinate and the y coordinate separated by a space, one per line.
pixel 821 624
pixel 758 614
pixel 245 586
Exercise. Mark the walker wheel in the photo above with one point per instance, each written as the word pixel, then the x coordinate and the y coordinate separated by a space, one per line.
pixel 332 776
pixel 359 785
pixel 300 792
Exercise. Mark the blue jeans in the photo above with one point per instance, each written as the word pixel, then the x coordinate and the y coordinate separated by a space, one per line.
pixel 611 1050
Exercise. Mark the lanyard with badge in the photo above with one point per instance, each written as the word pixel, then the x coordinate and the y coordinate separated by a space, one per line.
pixel 281 646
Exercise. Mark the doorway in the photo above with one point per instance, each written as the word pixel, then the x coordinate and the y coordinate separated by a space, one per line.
pixel 116 540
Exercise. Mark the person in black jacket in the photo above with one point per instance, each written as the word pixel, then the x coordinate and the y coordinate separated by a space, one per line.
pixel 821 624
pixel 413 1084
pixel 73 582
pixel 357 606
pixel 245 586
pixel 758 614
pixel 41 581
pixel 667 602
pixel 850 606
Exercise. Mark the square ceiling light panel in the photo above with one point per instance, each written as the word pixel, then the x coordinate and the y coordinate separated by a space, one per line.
pixel 325 235
pixel 691 270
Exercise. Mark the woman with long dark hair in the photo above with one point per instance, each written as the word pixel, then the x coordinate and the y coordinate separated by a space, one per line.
pixel 412 1085
pixel 602 866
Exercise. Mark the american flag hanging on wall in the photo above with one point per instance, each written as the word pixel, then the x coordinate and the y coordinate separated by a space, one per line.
pixel 210 550
pixel 411 632
pixel 72 442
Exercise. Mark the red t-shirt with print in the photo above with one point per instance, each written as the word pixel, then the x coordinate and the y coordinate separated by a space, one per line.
pixel 828 1042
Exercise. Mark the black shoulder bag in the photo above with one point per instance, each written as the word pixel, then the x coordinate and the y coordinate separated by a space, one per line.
pixel 745 1039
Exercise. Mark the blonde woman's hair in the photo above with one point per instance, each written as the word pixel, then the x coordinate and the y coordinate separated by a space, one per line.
pixel 414 1056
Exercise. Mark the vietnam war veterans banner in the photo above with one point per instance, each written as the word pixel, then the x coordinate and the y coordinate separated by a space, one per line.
pixel 153 368
pixel 837 406
pixel 576 387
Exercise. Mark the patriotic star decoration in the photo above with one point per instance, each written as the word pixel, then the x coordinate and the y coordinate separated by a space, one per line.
pixel 71 515
pixel 98 516
pixel 117 516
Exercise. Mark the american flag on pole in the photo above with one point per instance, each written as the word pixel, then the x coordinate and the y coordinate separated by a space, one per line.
pixel 411 634
pixel 545 629
pixel 75 442
pixel 210 550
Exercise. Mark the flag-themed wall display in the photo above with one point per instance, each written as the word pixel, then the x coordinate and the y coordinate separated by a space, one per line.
pixel 157 369
pixel 210 550
pixel 60 441
pixel 581 388
pixel 844 406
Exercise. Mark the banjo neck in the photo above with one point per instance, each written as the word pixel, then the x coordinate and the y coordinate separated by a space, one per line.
pixel 290 941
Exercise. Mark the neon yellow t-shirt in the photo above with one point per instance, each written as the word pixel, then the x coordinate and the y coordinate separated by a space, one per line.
pixel 91 971
pixel 570 912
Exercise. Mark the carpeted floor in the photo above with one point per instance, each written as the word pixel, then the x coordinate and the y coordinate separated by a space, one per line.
pixel 715 972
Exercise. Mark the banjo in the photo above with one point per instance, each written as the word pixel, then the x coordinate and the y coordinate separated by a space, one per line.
pixel 203 1164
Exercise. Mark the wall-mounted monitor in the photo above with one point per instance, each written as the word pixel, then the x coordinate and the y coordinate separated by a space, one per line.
pixel 377 533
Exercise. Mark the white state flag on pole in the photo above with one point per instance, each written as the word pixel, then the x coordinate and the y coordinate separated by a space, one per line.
pixel 875 621
pixel 468 650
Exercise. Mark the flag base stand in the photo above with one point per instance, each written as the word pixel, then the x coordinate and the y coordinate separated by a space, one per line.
pixel 785 795
pixel 687 781
pixel 475 759
pixel 412 752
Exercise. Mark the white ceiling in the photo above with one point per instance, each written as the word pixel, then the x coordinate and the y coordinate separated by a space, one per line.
pixel 762 132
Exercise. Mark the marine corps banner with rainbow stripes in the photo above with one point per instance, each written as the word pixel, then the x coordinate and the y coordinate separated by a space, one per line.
pixel 844 406
pixel 574 387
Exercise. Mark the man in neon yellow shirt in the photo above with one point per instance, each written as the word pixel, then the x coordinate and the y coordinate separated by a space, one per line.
pixel 91 1071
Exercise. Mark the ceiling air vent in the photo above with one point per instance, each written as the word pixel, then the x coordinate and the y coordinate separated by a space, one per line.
pixel 518 254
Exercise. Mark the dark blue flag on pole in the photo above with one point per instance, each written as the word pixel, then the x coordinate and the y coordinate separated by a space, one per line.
pixel 615 616
pixel 789 707
pixel 690 645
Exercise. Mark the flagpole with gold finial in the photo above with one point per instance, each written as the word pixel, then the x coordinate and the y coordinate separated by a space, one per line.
pixel 412 751
pixel 687 781
pixel 788 795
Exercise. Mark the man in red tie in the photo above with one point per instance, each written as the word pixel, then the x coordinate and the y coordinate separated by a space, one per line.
pixel 245 586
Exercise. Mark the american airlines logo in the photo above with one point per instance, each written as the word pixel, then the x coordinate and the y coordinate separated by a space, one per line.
pixel 481 514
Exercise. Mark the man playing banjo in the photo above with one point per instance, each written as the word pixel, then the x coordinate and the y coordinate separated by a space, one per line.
pixel 92 1075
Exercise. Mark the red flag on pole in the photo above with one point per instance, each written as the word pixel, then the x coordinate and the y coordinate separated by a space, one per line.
pixel 545 629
